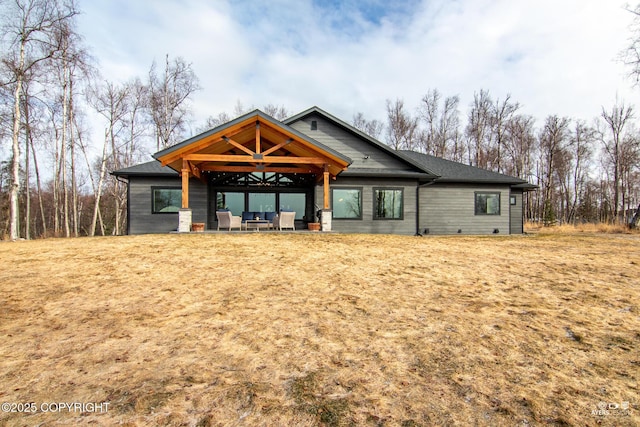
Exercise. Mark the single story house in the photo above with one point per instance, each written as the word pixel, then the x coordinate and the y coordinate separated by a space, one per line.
pixel 315 162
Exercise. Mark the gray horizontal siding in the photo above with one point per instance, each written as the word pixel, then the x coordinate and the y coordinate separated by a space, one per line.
pixel 367 224
pixel 447 208
pixel 516 213
pixel 141 218
pixel 348 144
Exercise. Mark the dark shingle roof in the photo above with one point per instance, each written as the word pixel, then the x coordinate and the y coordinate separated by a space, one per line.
pixel 450 171
pixel 153 168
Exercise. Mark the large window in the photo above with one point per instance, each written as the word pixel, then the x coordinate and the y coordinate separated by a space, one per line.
pixel 388 203
pixel 166 199
pixel 233 201
pixel 296 202
pixel 262 202
pixel 347 203
pixel 487 203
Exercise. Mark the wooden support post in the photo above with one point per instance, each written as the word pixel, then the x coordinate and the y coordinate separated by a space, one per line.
pixel 257 137
pixel 326 187
pixel 185 184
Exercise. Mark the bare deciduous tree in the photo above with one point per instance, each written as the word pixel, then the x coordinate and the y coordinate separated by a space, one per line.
pixel 110 101
pixel 278 112
pixel 553 139
pixel 441 137
pixel 169 95
pixel 29 28
pixel 521 144
pixel 616 120
pixel 631 55
pixel 275 111
pixel 213 122
pixel 478 128
pixel 429 108
pixel 402 129
pixel 373 128
pixel 501 114
pixel 581 144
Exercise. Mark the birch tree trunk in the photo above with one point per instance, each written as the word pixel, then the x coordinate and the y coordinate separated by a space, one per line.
pixel 103 168
pixel 63 145
pixel 14 206
pixel 27 171
pixel 72 154
pixel 39 186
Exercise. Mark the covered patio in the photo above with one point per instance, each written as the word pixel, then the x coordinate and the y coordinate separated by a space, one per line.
pixel 257 149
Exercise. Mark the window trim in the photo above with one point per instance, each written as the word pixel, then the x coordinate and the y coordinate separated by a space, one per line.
pixel 359 218
pixel 375 204
pixel 153 196
pixel 475 203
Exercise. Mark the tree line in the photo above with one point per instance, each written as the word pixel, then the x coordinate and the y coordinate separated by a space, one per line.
pixel 585 171
pixel 54 177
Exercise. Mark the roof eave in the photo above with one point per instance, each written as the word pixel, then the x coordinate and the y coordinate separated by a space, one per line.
pixel 478 181
pixel 389 174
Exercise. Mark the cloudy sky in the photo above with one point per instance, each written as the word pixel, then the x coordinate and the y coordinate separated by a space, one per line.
pixel 552 56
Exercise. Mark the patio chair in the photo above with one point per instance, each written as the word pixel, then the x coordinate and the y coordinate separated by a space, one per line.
pixel 227 220
pixel 285 220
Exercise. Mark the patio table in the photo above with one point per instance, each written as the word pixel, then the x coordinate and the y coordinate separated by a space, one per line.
pixel 256 223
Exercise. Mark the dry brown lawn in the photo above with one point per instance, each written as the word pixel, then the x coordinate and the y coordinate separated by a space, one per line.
pixel 287 329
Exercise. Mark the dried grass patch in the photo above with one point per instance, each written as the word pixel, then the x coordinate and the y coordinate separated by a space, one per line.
pixel 587 228
pixel 303 329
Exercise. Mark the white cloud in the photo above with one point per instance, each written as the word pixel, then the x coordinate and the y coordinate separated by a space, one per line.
pixel 554 57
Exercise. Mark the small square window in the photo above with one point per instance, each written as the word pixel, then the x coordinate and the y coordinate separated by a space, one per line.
pixel 314 125
pixel 512 200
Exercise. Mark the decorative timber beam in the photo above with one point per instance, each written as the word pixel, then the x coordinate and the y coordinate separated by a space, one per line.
pixel 239 146
pixel 257 137
pixel 256 158
pixel 249 169
pixel 193 169
pixel 206 142
pixel 277 147
pixel 197 172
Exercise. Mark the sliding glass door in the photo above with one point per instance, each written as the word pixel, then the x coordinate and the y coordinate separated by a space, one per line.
pixel 296 202
pixel 232 200
pixel 262 202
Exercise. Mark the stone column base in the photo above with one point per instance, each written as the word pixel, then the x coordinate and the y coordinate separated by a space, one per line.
pixel 184 220
pixel 327 215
